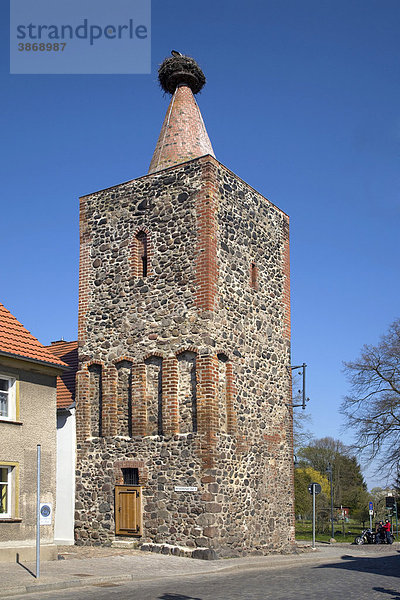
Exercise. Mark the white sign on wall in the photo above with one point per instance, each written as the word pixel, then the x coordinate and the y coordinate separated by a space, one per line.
pixel 182 488
pixel 46 513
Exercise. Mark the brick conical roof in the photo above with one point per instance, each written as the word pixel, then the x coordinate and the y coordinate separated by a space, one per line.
pixel 183 134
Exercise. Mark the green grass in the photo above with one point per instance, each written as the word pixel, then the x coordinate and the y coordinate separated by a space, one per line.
pixel 323 531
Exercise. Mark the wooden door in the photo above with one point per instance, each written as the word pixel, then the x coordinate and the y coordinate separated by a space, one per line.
pixel 128 510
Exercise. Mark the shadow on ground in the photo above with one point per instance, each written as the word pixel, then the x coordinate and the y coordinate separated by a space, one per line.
pixel 24 566
pixel 177 597
pixel 381 565
pixel 395 595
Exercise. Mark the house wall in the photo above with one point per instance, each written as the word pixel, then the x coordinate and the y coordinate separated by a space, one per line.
pixel 222 339
pixel 37 401
pixel 66 462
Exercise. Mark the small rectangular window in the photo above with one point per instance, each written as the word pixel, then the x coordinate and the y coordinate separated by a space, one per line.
pixel 5 491
pixel 7 398
pixel 131 476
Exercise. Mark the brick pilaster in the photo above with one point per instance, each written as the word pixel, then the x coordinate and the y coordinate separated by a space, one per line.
pixel 109 418
pixel 207 230
pixel 230 400
pixel 286 273
pixel 84 267
pixel 83 429
pixel 287 335
pixel 170 396
pixel 139 408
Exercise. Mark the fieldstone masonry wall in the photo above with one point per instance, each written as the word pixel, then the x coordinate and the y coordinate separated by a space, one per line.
pixel 185 372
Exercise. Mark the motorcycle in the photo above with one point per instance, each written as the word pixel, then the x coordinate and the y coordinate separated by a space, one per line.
pixel 367 537
pixel 371 537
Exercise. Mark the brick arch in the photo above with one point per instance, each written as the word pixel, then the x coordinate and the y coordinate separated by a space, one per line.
pixel 120 359
pixel 142 228
pixel 187 349
pixel 154 353
pixel 92 362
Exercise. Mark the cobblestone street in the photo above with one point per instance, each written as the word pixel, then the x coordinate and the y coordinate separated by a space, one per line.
pixel 367 573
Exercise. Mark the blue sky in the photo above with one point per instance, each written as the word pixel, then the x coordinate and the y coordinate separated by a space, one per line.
pixel 302 102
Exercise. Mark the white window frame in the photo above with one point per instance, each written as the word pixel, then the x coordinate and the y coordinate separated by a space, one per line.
pixel 12 398
pixel 8 514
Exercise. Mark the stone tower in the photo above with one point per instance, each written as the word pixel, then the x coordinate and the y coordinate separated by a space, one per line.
pixel 184 416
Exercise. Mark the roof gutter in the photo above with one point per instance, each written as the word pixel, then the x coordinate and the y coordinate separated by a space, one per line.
pixel 35 361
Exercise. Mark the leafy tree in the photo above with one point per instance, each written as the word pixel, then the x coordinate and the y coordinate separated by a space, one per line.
pixel 303 499
pixel 372 408
pixel 361 514
pixel 349 485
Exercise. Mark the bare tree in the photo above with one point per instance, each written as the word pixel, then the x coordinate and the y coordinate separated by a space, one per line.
pixel 373 405
pixel 301 435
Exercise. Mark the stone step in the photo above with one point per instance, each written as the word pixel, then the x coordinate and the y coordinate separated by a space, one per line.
pixel 125 544
pixel 201 553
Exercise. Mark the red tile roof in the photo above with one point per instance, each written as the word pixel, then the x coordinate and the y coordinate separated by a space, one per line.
pixel 17 341
pixel 68 352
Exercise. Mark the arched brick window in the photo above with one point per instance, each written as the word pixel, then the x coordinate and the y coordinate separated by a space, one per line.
pixel 142 254
pixel 253 276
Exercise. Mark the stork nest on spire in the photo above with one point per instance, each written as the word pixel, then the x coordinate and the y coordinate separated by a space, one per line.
pixel 176 70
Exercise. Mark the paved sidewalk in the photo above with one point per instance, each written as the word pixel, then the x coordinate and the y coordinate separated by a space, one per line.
pixel 100 565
